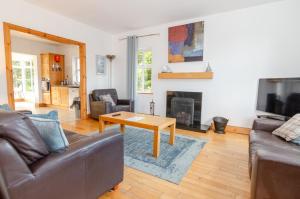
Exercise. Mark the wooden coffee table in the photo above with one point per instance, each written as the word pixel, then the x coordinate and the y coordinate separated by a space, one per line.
pixel 155 123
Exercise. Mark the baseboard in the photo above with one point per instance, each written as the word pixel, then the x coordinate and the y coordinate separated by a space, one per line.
pixel 40 105
pixel 20 100
pixel 235 129
pixel 59 107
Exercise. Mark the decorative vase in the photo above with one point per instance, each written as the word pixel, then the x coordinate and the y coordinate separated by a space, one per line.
pixel 166 69
pixel 152 107
pixel 208 69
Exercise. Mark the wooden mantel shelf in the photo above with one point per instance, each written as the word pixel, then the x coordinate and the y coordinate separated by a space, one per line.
pixel 190 75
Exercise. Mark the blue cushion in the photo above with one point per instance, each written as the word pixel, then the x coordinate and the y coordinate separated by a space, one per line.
pixel 52 115
pixel 5 107
pixel 52 133
pixel 296 141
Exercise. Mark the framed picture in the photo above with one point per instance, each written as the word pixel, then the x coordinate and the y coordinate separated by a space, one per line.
pixel 186 42
pixel 100 65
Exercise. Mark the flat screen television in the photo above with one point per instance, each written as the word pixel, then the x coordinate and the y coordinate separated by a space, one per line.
pixel 279 96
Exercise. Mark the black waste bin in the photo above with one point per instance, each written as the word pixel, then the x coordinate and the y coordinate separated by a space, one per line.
pixel 220 124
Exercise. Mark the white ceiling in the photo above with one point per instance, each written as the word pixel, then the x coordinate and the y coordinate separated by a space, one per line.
pixel 117 16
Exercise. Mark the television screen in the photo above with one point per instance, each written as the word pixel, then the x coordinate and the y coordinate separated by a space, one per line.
pixel 279 96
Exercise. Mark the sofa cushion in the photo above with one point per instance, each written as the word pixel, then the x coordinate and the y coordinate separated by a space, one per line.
pixel 289 130
pixel 296 141
pixel 268 139
pixel 19 130
pixel 5 107
pixel 52 133
pixel 53 115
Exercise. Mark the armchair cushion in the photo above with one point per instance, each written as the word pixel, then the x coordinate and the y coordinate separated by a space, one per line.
pixel 121 108
pixel 107 98
pixel 111 92
pixel 20 132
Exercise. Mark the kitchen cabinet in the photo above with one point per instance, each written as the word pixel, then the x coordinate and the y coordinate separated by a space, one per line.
pixel 46 98
pixel 53 67
pixel 55 95
pixel 63 95
pixel 52 71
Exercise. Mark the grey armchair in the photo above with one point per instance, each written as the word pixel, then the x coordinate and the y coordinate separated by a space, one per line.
pixel 99 107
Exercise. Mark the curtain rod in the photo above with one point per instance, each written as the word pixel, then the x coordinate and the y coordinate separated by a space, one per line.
pixel 148 35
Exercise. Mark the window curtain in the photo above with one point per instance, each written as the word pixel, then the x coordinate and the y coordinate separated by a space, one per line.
pixel 132 48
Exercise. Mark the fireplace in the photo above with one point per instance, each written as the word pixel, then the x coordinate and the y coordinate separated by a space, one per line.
pixel 186 108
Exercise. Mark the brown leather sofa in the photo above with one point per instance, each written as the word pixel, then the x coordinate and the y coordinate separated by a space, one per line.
pixel 274 164
pixel 89 167
pixel 98 107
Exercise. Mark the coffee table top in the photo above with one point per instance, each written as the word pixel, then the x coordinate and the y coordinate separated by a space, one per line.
pixel 139 120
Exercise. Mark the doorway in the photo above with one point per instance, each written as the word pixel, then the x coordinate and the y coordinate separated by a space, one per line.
pixel 24 80
pixel 12 89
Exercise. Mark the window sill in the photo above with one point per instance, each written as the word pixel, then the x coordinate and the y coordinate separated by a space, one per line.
pixel 145 93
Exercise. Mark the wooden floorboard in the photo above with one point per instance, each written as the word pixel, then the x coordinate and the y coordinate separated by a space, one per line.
pixel 220 171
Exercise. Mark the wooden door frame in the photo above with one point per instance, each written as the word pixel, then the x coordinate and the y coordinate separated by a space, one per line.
pixel 7 28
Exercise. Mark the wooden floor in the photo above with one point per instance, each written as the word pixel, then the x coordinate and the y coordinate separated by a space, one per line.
pixel 219 172
pixel 65 115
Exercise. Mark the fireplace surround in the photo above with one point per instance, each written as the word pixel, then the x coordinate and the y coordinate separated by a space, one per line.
pixel 186 107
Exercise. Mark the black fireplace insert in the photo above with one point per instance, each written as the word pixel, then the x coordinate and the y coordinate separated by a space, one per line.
pixel 186 108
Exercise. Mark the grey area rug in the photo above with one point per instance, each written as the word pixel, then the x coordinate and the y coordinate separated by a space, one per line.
pixel 173 161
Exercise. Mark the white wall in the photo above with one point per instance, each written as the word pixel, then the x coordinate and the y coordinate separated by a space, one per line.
pixel 25 14
pixel 241 47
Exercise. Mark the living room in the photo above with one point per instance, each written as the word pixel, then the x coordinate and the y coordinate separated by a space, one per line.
pixel 140 76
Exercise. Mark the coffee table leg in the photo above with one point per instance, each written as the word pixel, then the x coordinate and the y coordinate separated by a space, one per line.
pixel 122 128
pixel 101 126
pixel 156 143
pixel 172 134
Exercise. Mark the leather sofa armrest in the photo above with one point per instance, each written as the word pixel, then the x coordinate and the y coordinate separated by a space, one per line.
pixel 13 169
pixel 272 171
pixel 100 108
pixel 267 125
pixel 27 112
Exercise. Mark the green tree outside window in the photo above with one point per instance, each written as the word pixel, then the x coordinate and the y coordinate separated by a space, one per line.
pixel 144 71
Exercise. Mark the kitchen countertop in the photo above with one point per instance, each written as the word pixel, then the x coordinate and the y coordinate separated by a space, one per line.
pixel 69 86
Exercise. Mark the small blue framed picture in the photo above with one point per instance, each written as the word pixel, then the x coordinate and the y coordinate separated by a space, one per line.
pixel 100 65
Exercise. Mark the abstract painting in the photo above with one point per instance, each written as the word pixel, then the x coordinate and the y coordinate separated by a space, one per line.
pixel 186 42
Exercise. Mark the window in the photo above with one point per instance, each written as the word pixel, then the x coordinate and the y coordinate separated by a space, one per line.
pixel 144 71
pixel 76 70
